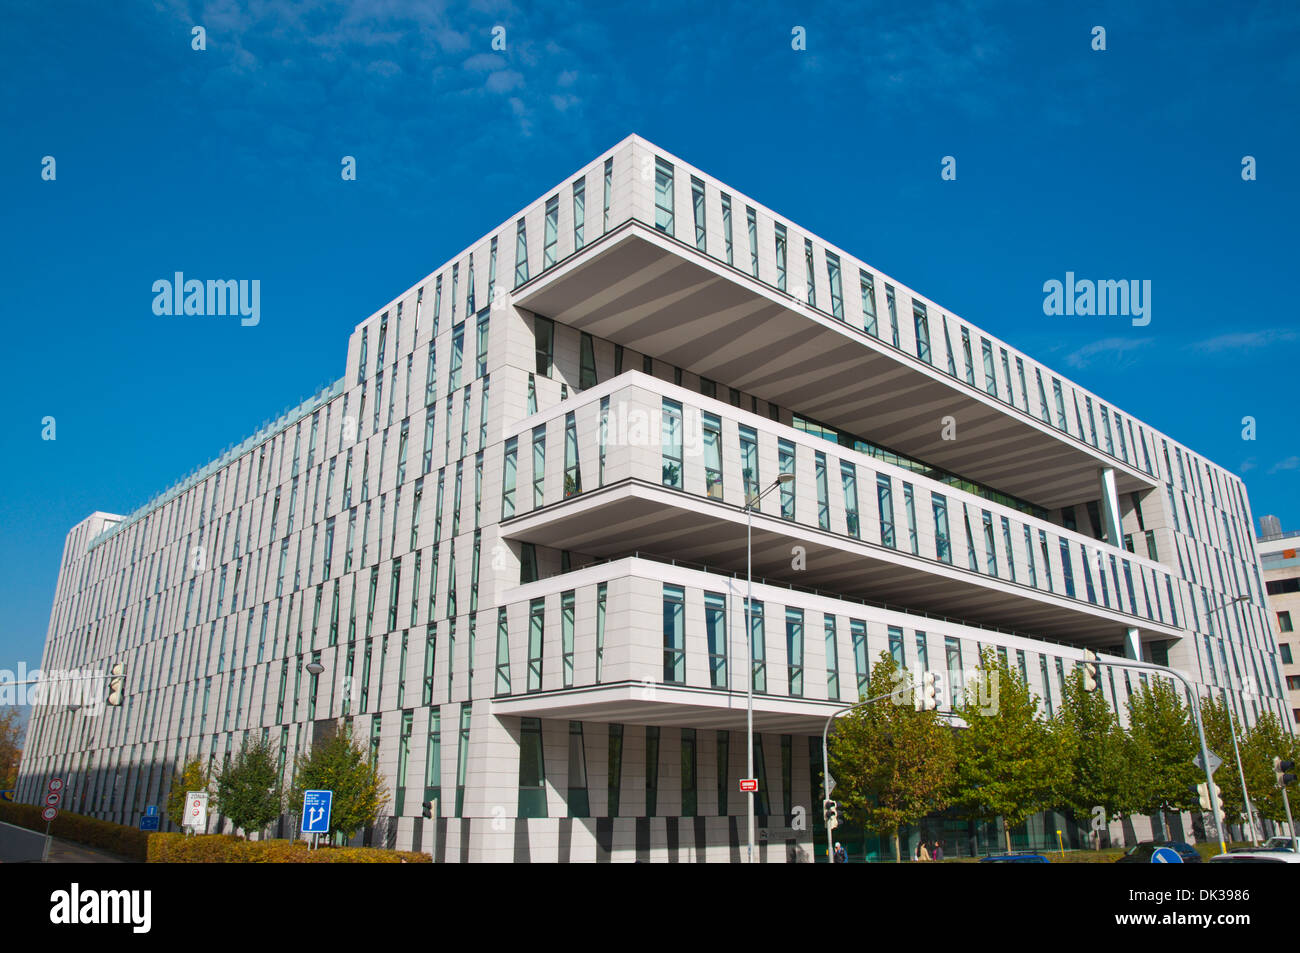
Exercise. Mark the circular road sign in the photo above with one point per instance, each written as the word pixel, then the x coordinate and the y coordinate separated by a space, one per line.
pixel 52 799
pixel 1165 855
pixel 50 813
pixel 56 784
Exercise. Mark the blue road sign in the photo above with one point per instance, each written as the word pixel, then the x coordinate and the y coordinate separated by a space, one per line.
pixel 316 811
pixel 8 795
pixel 151 810
pixel 1165 855
pixel 148 823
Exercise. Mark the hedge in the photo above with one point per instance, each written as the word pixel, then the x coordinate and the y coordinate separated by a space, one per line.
pixel 229 849
pixel 118 839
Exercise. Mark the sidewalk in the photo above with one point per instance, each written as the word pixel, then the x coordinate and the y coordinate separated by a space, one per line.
pixel 66 852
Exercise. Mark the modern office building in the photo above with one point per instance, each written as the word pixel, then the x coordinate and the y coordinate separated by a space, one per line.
pixel 513 534
pixel 1278 555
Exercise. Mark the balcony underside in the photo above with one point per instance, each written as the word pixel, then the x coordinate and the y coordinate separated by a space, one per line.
pixel 671 706
pixel 636 517
pixel 643 291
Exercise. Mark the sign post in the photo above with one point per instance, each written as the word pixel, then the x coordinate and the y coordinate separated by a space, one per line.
pixel 51 811
pixel 316 806
pixel 196 811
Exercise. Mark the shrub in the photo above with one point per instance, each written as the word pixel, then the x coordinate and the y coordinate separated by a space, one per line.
pixel 228 849
pixel 118 839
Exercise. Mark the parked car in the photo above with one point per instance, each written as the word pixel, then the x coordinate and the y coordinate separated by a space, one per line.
pixel 1277 843
pixel 1141 854
pixel 1014 859
pixel 1257 857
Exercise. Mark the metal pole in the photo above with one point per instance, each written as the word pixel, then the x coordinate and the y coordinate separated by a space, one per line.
pixel 1289 822
pixel 1200 731
pixel 749 668
pixel 1245 795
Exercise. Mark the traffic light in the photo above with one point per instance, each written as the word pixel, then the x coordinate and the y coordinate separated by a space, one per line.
pixel 427 813
pixel 1282 769
pixel 1089 671
pixel 831 813
pixel 1208 805
pixel 116 683
pixel 925 697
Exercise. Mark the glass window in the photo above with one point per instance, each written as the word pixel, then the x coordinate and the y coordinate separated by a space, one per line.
pixel 885 500
pixel 966 356
pixel 457 357
pixel 837 289
pixel 1011 553
pixel 521 253
pixel 1284 625
pixel 922 321
pixel 1006 372
pixel 858 631
pixel 752 222
pixel 572 472
pixel 697 205
pixel 849 479
pixel 868 284
pixel 892 304
pixel 726 229
pixel 943 548
pixel 1067 569
pixel 544 340
pixel 503 653
pixel 956 682
pixel 482 344
pixel 810 271
pixel 909 508
pixel 947 343
pixel 823 494
pixel 536 630
pixel 566 636
pixel 712 426
pixel 896 647
pixel 579 803
pixel 780 256
pixel 715 629
pixel 587 369
pixel 832 659
pixel 663 196
pixel 674 634
pixel 532 769
pixel 615 767
pixel 672 443
pixel 690 781
pixel 652 770
pixel 757 645
pixel 794 650
pixel 609 191
pixel 539 465
pixel 1060 406
pixel 579 212
pixel 990 375
pixel 785 454
pixel 990 550
pixel 749 460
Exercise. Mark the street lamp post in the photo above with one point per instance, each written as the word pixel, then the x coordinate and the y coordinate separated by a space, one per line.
pixel 749 645
pixel 1232 725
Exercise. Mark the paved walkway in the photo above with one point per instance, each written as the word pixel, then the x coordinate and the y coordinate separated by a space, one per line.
pixel 66 852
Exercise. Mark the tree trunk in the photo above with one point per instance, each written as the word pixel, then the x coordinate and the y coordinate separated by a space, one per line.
pixel 898 852
pixel 1006 830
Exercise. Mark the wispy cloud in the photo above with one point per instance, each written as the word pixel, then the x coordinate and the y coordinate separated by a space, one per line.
pixel 1112 352
pixel 1244 341
pixel 1290 463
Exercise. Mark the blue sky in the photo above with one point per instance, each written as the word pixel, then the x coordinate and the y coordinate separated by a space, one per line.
pixel 225 163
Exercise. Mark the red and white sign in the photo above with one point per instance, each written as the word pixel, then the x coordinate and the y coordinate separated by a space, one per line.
pixel 196 810
pixel 56 785
pixel 50 813
pixel 749 784
pixel 52 799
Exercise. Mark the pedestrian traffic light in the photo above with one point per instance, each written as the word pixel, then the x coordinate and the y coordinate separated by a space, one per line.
pixel 116 683
pixel 1282 769
pixel 1089 670
pixel 427 813
pixel 831 813
pixel 925 697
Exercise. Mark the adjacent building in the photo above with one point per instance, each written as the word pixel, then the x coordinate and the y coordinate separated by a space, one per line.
pixel 513 536
pixel 1277 553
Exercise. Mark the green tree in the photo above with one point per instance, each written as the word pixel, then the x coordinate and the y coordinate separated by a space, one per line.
pixel 1009 762
pixel 1164 743
pixel 191 778
pixel 338 764
pixel 1266 740
pixel 1218 738
pixel 892 764
pixel 248 788
pixel 11 752
pixel 1090 732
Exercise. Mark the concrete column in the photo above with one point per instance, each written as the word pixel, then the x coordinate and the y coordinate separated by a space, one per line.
pixel 1132 645
pixel 1110 508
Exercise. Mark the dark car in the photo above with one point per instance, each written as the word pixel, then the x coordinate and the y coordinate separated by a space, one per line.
pixel 1141 854
pixel 1014 859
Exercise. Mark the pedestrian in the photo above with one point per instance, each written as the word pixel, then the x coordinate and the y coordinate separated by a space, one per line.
pixel 841 855
pixel 938 850
pixel 922 853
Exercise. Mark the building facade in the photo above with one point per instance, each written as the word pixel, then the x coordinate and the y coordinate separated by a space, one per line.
pixel 1278 555
pixel 513 534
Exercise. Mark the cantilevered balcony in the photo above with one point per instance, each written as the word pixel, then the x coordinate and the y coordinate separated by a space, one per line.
pixel 1048 581
pixel 642 289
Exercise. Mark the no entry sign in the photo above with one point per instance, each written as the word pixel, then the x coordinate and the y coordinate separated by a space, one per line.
pixel 749 784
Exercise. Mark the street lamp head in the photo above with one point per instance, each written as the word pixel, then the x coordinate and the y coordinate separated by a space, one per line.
pixel 314 668
pixel 785 478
